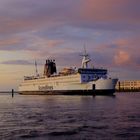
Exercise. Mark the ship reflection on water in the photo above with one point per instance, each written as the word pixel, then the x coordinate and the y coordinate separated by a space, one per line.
pixel 70 117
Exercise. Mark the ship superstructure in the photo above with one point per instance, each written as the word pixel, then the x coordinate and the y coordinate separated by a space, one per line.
pixel 69 81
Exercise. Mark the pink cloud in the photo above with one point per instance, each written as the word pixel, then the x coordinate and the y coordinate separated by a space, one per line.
pixel 111 11
pixel 10 41
pixel 11 44
pixel 121 58
pixel 53 43
pixel 106 14
pixel 11 25
pixel 124 52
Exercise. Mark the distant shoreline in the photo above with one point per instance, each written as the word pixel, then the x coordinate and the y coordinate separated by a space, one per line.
pixel 128 90
pixel 8 91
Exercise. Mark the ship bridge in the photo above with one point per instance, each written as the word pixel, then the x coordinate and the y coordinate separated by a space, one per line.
pixel 92 71
pixel 90 74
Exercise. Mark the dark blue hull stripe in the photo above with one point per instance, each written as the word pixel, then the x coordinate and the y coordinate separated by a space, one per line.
pixel 70 92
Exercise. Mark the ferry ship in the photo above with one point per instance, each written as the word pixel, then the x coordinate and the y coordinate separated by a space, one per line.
pixel 69 81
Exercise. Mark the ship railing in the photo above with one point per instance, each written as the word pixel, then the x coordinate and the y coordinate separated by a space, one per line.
pixel 31 77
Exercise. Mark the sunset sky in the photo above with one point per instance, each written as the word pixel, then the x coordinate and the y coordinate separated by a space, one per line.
pixel 38 29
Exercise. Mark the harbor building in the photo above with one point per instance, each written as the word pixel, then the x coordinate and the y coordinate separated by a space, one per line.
pixel 128 85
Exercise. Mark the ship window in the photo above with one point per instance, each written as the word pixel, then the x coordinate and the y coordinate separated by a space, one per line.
pixel 83 76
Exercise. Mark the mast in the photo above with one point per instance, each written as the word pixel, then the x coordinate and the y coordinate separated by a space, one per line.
pixel 36 70
pixel 85 59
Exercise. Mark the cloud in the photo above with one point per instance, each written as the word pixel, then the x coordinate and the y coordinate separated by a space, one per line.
pixel 128 50
pixel 29 42
pixel 17 62
pixel 20 16
pixel 121 58
pixel 59 29
pixel 111 14
pixel 10 44
pixel 10 41
pixel 122 52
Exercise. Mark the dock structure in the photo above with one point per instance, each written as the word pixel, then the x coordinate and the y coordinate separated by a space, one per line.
pixel 128 85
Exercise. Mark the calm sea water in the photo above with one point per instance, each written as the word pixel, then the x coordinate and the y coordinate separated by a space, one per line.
pixel 70 117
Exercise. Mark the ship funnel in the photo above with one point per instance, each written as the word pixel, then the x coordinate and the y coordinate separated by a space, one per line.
pixel 49 68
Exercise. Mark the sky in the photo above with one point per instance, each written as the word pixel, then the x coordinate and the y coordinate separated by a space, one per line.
pixel 59 29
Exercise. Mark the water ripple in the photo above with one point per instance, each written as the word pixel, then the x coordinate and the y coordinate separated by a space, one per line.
pixel 70 117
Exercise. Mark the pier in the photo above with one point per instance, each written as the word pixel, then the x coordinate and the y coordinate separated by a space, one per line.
pixel 128 86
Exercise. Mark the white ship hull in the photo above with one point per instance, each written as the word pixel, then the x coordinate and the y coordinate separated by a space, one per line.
pixel 83 81
pixel 68 85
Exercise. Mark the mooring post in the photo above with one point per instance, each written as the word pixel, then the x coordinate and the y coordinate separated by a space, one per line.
pixel 12 93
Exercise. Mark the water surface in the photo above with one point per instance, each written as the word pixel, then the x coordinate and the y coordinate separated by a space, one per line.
pixel 70 117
